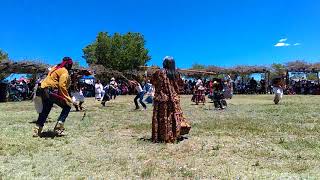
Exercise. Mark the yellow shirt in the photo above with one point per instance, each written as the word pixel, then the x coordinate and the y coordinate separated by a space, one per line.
pixel 58 79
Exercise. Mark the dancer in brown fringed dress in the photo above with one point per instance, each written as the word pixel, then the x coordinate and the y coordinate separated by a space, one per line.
pixel 168 123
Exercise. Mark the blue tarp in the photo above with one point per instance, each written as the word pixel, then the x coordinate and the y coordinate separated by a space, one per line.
pixel 87 77
pixel 15 76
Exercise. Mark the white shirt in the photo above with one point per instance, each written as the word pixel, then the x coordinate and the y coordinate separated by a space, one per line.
pixel 114 83
pixel 139 88
pixel 199 82
pixel 98 87
pixel 150 89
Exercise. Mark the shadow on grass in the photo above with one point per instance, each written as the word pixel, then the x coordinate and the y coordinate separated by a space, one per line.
pixel 135 110
pixel 35 121
pixel 182 138
pixel 193 104
pixel 75 111
pixel 50 134
pixel 145 139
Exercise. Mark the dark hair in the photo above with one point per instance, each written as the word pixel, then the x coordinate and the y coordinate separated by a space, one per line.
pixel 66 59
pixel 170 65
pixel 68 62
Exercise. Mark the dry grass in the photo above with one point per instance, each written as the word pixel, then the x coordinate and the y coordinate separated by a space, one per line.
pixel 251 139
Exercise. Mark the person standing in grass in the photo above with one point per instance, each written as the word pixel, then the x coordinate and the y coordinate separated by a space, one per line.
pixel 168 123
pixel 140 94
pixel 113 88
pixel 218 96
pixel 77 97
pixel 278 86
pixel 99 90
pixel 54 90
pixel 149 90
pixel 107 96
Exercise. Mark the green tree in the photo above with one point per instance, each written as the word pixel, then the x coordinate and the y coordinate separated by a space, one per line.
pixel 278 69
pixel 3 55
pixel 76 65
pixel 89 53
pixel 312 76
pixel 197 66
pixel 119 52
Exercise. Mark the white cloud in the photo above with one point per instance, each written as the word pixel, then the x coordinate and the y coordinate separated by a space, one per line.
pixel 283 40
pixel 281 44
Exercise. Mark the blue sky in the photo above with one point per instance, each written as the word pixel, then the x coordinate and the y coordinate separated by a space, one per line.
pixel 212 32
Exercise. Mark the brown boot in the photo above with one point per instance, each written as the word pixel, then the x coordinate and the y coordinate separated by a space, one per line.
pixel 59 129
pixel 36 131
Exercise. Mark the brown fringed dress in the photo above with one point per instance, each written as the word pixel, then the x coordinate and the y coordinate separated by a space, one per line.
pixel 168 123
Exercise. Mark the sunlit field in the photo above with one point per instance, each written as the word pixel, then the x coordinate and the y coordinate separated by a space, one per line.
pixel 252 138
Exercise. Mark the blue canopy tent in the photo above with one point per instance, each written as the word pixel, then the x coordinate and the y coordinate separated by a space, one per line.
pixel 88 83
pixel 88 79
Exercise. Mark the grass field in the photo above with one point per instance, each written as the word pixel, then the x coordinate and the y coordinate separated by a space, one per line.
pixel 252 138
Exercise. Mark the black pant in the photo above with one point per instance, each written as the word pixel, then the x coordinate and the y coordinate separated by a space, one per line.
pixel 217 97
pixel 140 97
pixel 48 99
pixel 106 97
pixel 113 93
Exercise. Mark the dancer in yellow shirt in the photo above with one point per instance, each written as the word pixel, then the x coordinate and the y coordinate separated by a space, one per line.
pixel 54 90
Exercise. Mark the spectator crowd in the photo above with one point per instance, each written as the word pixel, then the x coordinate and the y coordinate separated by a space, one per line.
pixel 22 89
